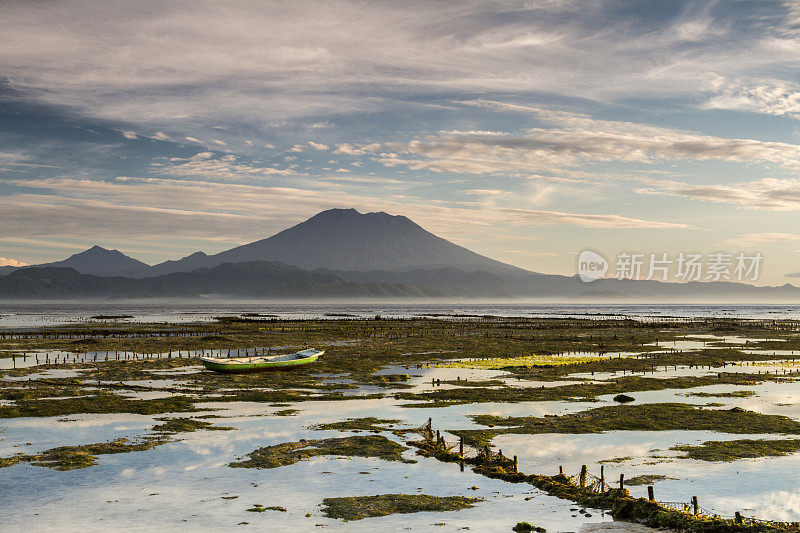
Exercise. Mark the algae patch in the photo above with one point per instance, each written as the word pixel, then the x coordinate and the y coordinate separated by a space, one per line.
pixel 645 417
pixel 74 457
pixel 286 412
pixel 289 453
pixel 184 425
pixel 732 394
pixel 527 361
pixel 258 508
pixel 645 479
pixel 359 507
pixel 96 403
pixel 370 423
pixel 733 450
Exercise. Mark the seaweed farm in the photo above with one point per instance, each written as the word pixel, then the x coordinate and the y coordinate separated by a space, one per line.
pixel 453 422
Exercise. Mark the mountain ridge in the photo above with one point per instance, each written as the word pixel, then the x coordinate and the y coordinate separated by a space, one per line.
pixel 341 252
pixel 248 279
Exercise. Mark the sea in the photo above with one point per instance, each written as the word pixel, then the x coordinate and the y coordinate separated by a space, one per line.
pixel 32 315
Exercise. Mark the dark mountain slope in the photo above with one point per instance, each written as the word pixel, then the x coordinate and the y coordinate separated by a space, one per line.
pixel 344 239
pixel 242 280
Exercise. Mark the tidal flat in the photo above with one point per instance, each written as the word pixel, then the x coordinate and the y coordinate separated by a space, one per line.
pixel 135 433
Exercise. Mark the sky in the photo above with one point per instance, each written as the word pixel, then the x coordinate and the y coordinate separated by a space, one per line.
pixel 525 131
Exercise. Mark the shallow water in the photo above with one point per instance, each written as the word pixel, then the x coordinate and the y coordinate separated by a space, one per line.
pixel 182 484
pixel 33 315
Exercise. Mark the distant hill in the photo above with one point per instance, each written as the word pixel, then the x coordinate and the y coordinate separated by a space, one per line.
pixel 100 261
pixel 253 279
pixel 266 279
pixel 344 239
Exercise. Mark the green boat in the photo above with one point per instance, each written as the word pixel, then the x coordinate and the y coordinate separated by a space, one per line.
pixel 259 363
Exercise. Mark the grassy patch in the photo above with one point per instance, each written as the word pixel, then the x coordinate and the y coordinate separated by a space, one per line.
pixel 289 453
pixel 359 507
pixel 733 450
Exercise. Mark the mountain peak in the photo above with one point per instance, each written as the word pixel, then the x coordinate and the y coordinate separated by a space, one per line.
pixel 351 213
pixel 345 239
pixel 99 260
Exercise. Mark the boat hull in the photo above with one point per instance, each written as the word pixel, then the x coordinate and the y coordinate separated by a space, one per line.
pixel 217 365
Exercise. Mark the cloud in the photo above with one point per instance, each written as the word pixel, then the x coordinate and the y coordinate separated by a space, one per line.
pixel 11 262
pixel 773 97
pixel 206 165
pixel 571 139
pixel 586 220
pixel 193 140
pixel 162 212
pixel 318 146
pixel 159 64
pixel 297 148
pixel 129 135
pixel 160 136
pixel 769 194
pixel 755 239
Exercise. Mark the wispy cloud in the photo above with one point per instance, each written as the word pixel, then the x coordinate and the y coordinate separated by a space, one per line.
pixel 234 212
pixel 570 140
pixel 207 165
pixel 768 194
pixel 756 239
pixel 586 220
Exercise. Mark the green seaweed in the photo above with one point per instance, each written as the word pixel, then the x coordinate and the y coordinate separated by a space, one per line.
pixel 376 425
pixel 645 479
pixel 644 417
pixel 101 402
pixel 360 507
pixel 75 457
pixel 184 425
pixel 286 412
pixel 732 450
pixel 289 453
pixel 258 508
pixel 732 394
